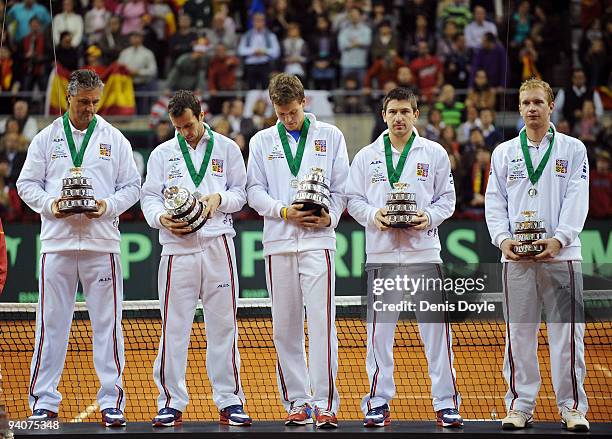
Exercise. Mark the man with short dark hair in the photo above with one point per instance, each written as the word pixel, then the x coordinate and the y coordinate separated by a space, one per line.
pixel 79 247
pixel 260 49
pixel 299 246
pixel 401 156
pixel 198 265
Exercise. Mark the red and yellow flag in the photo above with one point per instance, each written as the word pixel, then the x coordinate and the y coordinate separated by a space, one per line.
pixel 117 99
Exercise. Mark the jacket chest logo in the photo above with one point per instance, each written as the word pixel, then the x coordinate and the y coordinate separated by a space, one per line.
pixel 276 153
pixel 217 166
pixel 105 151
pixel 378 175
pixel 422 171
pixel 561 168
pixel 175 171
pixel 320 146
pixel 58 150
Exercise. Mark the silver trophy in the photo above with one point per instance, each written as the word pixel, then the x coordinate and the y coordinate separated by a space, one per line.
pixel 313 191
pixel 77 193
pixel 527 232
pixel 184 206
pixel 401 206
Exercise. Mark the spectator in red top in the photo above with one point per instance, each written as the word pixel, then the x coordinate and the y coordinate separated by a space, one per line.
pixel 221 76
pixel 10 203
pixel 94 60
pixel 429 73
pixel 35 56
pixel 382 71
pixel 600 200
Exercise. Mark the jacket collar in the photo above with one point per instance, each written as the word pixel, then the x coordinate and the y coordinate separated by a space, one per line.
pixel 380 143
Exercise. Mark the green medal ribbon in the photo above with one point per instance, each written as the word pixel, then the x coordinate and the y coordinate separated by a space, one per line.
pixel 534 176
pixel 395 174
pixel 77 156
pixel 197 177
pixel 294 163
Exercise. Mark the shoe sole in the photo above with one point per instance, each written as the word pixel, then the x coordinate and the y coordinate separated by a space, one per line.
pixel 326 425
pixel 372 424
pixel 115 424
pixel 225 421
pixel 457 424
pixel 166 424
pixel 511 426
pixel 298 423
pixel 579 428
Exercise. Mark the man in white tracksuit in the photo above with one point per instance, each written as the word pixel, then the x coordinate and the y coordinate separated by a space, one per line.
pixel 299 248
pixel 557 190
pixel 401 155
pixel 197 266
pixel 79 247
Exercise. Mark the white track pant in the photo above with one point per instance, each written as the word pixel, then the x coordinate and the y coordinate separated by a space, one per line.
pixel 558 286
pixel 298 280
pixel 211 276
pixel 436 335
pixel 100 276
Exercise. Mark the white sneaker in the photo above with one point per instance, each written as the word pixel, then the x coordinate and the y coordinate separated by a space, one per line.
pixel 516 419
pixel 573 419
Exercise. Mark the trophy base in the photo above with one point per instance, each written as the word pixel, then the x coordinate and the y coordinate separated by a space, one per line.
pixel 309 205
pixel 79 209
pixel 527 250
pixel 401 221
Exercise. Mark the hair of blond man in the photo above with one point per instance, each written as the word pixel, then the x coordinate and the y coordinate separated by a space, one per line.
pixel 538 83
pixel 285 88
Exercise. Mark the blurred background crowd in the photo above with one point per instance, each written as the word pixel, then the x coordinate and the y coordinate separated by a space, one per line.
pixel 464 59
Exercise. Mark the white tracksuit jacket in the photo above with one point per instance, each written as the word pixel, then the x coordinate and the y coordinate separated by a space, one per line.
pixel 563 191
pixel 225 175
pixel 269 188
pixel 108 161
pixel 427 171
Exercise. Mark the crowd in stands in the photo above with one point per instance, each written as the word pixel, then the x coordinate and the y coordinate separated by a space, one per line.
pixel 459 56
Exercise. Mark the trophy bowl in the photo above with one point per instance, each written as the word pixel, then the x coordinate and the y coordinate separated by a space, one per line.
pixel 527 232
pixel 313 192
pixel 401 206
pixel 184 206
pixel 77 193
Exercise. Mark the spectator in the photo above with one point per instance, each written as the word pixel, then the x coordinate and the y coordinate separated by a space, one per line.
pixel 528 60
pixel 200 11
pixel 93 55
pixel 405 78
pixel 189 71
pixel 476 184
pixel 259 114
pixel 22 13
pixel 597 63
pixel 379 123
pixel 451 111
pixel 35 57
pixel 491 58
pixel 354 42
pixel 27 125
pixel 429 73
pixel 481 95
pixel 380 16
pixel 163 131
pixel 295 52
pixel 421 33
pixel 445 46
pixel 324 53
pixel 96 21
pixel 163 25
pixel 221 76
pixel 141 63
pixel 472 121
pixel 457 11
pixel 112 41
pixel 13 151
pixel 476 140
pixel 67 56
pixel 131 13
pixel 457 64
pixel 568 102
pixel 260 50
pixel 239 124
pixel 382 71
pixel 351 99
pixel 9 81
pixel 68 21
pixel 520 24
pixel 434 126
pixel 492 135
pixel 600 194
pixel 279 24
pixel 587 127
pixel 413 8
pixel 448 139
pixel 478 28
pixel 384 41
pixel 180 42
pixel 219 34
pixel 10 203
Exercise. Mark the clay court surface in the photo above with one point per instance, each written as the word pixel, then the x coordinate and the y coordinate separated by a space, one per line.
pixel 478 351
